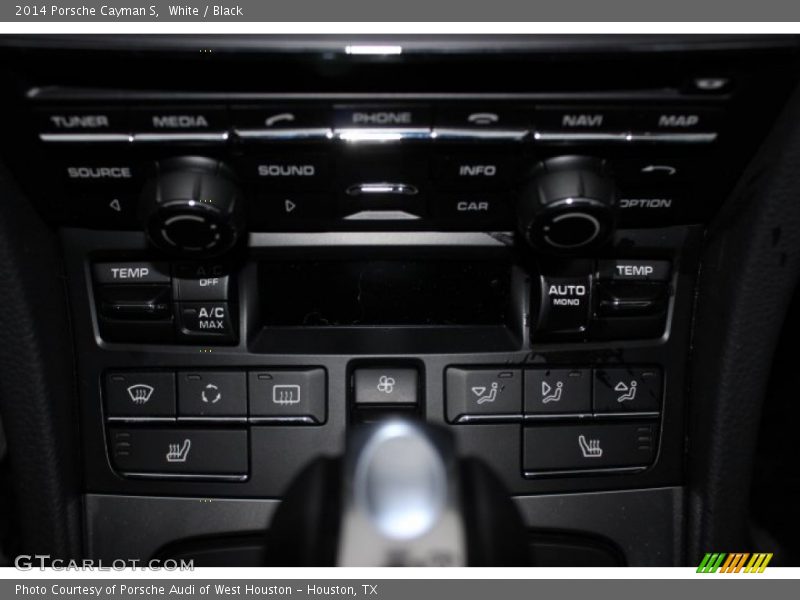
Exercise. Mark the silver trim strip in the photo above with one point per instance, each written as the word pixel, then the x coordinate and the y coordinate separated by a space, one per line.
pixel 453 133
pixel 306 133
pixel 289 420
pixel 381 187
pixel 86 138
pixel 141 419
pixel 658 137
pixel 358 135
pixel 681 138
pixel 218 136
pixel 498 239
pixel 549 136
pixel 579 472
pixel 488 418
pixel 382 215
pixel 197 476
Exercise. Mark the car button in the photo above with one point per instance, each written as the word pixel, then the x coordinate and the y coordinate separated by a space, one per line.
pixel 140 395
pixel 627 390
pixel 220 453
pixel 558 448
pixel 483 394
pixel 473 209
pixel 558 391
pixel 385 386
pixel 212 394
pixel 288 396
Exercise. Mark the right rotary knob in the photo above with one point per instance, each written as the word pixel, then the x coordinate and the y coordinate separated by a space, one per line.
pixel 567 204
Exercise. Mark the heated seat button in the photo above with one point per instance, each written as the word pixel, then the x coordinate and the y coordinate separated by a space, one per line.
pixel 288 396
pixel 557 391
pixel 385 386
pixel 206 322
pixel 213 394
pixel 557 448
pixel 483 394
pixel 627 390
pixel 138 395
pixel 564 303
pixel 185 452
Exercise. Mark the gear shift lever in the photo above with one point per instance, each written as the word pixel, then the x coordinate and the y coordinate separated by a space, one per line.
pixel 399 497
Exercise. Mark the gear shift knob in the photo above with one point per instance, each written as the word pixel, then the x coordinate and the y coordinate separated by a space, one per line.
pixel 400 496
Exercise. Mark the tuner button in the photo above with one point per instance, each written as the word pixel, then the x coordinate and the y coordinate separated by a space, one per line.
pixel 567 204
pixel 193 207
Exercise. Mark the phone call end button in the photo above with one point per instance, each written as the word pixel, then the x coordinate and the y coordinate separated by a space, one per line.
pixel 588 447
pixel 483 394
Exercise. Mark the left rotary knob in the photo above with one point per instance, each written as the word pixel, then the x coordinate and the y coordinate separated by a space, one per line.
pixel 193 207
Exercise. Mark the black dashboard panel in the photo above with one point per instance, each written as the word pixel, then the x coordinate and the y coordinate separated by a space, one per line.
pixel 267 243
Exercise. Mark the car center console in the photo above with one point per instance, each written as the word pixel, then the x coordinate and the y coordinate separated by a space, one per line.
pixel 504 245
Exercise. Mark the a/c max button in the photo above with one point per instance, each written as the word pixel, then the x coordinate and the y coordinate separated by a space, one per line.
pixel 206 321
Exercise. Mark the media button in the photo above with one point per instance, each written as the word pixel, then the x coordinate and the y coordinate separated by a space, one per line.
pixel 179 119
